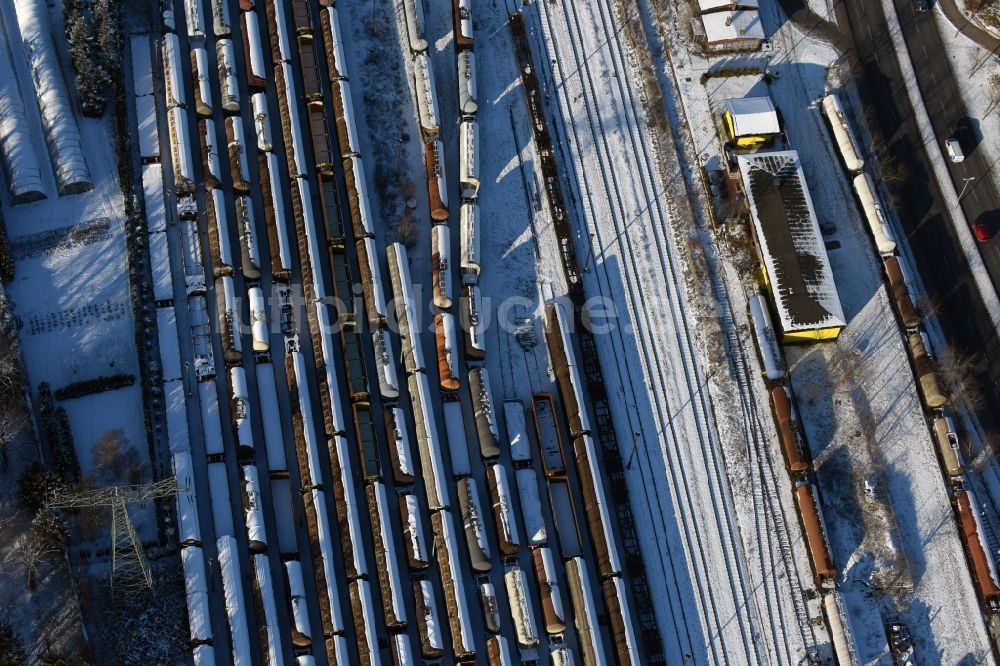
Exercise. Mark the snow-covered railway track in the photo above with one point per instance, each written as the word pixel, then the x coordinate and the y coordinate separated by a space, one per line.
pixel 712 542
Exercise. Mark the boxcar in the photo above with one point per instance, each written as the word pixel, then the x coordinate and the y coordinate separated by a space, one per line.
pixel 789 431
pixel 431 640
pixel 815 531
pixel 553 611
pixel 413 533
pixel 400 455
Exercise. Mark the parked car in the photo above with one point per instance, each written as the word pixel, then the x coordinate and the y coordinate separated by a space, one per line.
pixel 953 147
pixel 981 230
pixel 923 5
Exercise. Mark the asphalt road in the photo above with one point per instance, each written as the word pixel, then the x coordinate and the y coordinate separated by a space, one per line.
pixel 950 286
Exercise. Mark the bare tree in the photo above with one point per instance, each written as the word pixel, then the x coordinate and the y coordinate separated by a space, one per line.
pixel 46 537
pixel 115 460
pixel 957 372
pixel 12 423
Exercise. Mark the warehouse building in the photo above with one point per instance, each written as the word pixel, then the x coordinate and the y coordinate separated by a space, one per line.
pixel 795 265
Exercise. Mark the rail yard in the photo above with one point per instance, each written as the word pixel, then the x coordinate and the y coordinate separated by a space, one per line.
pixel 492 332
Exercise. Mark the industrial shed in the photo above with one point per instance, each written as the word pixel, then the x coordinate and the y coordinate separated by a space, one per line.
pixel 751 121
pixel 731 30
pixel 795 264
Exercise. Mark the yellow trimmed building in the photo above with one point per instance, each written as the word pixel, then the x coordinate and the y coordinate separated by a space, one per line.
pixel 796 268
pixel 751 122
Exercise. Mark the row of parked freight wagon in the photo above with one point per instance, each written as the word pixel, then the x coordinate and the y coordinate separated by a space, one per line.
pixel 792 436
pixel 932 393
pixel 544 553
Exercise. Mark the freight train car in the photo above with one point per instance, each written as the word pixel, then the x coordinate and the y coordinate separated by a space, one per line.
pixel 468 159
pixel 553 612
pixel 491 607
pixel 365 628
pixel 458 445
pixel 250 495
pixel 298 612
pixel 196 593
pixel 437 184
pixel 596 508
pixel 471 312
pixel 521 611
pixel 200 82
pixel 428 443
pixel 898 289
pixel 462 14
pixel 364 427
pixel 926 371
pixel 400 456
pixel 815 531
pixel 470 264
pixel 236 144
pixel 323 156
pixel 254 64
pixel 487 431
pixel 558 324
pixel 344 119
pixel 386 560
pixel 273 200
pixel 847 144
pixel 789 430
pixel 984 567
pixel 362 221
pixel 371 282
pixel 864 187
pixel 219 249
pixel 531 507
pixel 406 313
pixel 452 580
pixel 413 11
pixel 385 363
pixel 472 520
pixel 768 347
pixel 441 266
pixel 623 638
pixel 549 438
pixel 413 533
pixel 446 344
pixel 517 431
pixel 428 623
pixel 232 588
pixel 249 249
pixel 503 511
pixel 585 613
pixel 467 89
pixel 427 105
pixel 173 84
pixel 336 61
pixel 226 61
pixel 947 441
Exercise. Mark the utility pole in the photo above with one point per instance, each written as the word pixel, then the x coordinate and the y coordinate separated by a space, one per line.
pixel 128 558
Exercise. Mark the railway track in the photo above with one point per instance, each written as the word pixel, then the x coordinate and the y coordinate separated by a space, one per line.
pixel 641 305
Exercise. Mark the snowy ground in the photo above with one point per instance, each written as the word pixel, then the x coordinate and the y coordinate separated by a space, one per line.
pixel 71 295
pixel 857 396
pixel 71 288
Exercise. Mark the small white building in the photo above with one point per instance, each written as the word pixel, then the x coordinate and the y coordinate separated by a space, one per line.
pixel 751 121
pixel 732 30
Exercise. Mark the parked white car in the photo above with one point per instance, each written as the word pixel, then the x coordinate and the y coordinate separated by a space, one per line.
pixel 954 150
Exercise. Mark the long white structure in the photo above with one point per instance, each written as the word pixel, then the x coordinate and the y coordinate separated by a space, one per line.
pixel 20 164
pixel 61 132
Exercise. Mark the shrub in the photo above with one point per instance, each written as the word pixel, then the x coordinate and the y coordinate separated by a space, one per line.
pixel 95 385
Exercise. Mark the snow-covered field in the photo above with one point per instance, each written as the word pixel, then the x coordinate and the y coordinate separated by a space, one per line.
pixel 71 289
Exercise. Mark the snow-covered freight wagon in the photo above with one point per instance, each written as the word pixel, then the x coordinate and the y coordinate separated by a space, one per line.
pixel 428 112
pixel 446 345
pixel 400 452
pixel 336 61
pixel 441 266
pixel 553 612
pixel 247 229
pixel 196 593
pixel 487 430
pixel 472 521
pixel 815 532
pixel 386 559
pixel 385 362
pixel 471 312
pixel 254 64
pixel 596 507
pixel 237 147
pixel 470 264
pixel 468 159
pixel 413 533
pixel 864 187
pixel 452 580
pixel 406 308
pixel 428 622
pixel 250 492
pixel 467 89
pixel 413 11
pixel 843 135
pixel 261 122
pixel 437 183
pixel 458 445
pixel 789 430
pixel 428 443
pixel 240 408
pixel 503 510
pixel 226 62
pixel 558 324
pixel 200 82
pixel 585 613
pixel 521 611
pixel 236 611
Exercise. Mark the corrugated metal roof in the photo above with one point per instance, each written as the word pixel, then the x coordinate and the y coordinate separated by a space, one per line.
pixel 753 116
pixel 790 242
